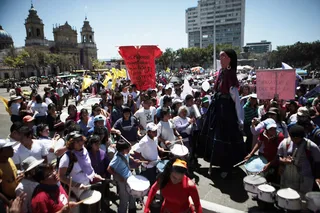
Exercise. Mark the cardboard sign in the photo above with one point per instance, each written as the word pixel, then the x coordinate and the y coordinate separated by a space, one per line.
pixel 271 83
pixel 140 62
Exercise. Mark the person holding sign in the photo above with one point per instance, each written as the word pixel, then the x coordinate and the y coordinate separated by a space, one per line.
pixel 224 122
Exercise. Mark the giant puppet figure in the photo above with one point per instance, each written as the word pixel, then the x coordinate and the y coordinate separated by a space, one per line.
pixel 224 120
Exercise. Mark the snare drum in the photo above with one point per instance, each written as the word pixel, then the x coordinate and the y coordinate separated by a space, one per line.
pixel 313 201
pixel 255 165
pixel 90 197
pixel 252 182
pixel 161 165
pixel 288 199
pixel 138 186
pixel 266 193
pixel 179 150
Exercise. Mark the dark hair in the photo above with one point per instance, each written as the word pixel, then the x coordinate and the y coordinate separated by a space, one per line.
pixel 122 145
pixel 26 131
pixel 38 99
pixel 82 111
pixel 164 177
pixel 297 131
pixel 71 106
pixel 92 140
pixel 166 99
pixel 51 106
pixel 71 126
pixel 164 111
pixel 188 97
pixel 117 97
pixel 40 128
pixel 94 107
pixel 16 126
pixel 40 171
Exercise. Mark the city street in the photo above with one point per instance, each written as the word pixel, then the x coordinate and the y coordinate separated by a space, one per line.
pixel 229 192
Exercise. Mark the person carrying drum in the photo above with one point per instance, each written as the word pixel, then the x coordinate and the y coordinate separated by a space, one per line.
pixel 268 143
pixel 176 188
pixel 148 148
pixel 119 168
pixel 298 156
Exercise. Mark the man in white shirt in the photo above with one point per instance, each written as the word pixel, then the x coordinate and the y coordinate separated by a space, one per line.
pixel 29 147
pixel 146 115
pixel 148 149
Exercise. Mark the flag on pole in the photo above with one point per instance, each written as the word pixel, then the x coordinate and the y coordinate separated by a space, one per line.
pixel 87 81
pixel 5 103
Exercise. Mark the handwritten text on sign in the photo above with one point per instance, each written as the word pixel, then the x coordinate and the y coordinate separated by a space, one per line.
pixel 141 65
pixel 276 82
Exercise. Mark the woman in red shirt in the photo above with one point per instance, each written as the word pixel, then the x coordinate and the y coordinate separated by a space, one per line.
pixel 176 188
pixel 49 196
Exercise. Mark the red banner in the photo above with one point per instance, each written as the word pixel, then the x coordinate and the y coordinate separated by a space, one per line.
pixel 140 62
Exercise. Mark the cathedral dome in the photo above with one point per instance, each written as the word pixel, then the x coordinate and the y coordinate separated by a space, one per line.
pixel 5 39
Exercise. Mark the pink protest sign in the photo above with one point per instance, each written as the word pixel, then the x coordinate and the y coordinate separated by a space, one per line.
pixel 276 82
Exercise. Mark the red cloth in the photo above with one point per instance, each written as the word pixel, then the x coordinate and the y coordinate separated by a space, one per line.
pixel 225 80
pixel 140 62
pixel 176 197
pixel 43 203
pixel 270 145
pixel 74 118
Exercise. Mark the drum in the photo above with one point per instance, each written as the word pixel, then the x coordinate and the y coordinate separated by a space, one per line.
pixel 251 183
pixel 179 150
pixel 90 197
pixel 313 201
pixel 255 165
pixel 138 186
pixel 161 165
pixel 266 193
pixel 288 199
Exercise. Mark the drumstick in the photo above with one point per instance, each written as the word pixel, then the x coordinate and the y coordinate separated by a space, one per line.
pixel 125 139
pixel 69 193
pixel 238 164
pixel 81 201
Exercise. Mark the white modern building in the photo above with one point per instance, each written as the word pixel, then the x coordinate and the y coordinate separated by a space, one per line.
pixel 228 17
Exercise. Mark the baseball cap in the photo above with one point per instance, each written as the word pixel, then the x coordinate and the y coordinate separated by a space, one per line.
pixel 271 125
pixel 205 100
pixel 151 127
pixel 73 135
pixel 27 119
pixel 176 101
pixel 303 111
pixel 6 143
pixel 98 118
pixel 30 163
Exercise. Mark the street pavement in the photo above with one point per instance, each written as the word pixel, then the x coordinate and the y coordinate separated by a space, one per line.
pixel 229 192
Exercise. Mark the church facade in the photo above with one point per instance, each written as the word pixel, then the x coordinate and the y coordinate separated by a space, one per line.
pixel 65 40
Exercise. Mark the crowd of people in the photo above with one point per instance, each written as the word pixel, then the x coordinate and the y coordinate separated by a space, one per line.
pixel 129 131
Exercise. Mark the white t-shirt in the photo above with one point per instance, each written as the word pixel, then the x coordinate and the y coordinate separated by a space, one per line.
pixel 26 186
pixel 148 149
pixel 146 116
pixel 48 144
pixel 37 150
pixel 125 97
pixel 165 130
pixel 48 101
pixel 40 108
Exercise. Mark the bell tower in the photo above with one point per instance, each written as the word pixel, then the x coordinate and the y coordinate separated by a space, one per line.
pixel 88 45
pixel 34 29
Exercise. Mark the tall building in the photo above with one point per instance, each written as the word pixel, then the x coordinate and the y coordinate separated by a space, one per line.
pixel 228 17
pixel 5 39
pixel 259 47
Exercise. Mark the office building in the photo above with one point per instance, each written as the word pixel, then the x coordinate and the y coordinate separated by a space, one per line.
pixel 259 47
pixel 229 19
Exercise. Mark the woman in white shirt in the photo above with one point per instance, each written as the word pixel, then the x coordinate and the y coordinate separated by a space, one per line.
pixel 40 110
pixel 14 105
pixel 184 125
pixel 47 98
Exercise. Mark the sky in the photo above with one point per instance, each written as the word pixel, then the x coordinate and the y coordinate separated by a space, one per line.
pixel 160 22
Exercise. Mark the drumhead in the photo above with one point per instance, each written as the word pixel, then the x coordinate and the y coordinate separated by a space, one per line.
pixel 313 196
pixel 90 196
pixel 255 164
pixel 254 180
pixel 288 193
pixel 138 183
pixel 266 188
pixel 179 150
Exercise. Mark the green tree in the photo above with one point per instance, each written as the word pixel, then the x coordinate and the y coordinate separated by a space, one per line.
pixel 16 60
pixel 96 64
